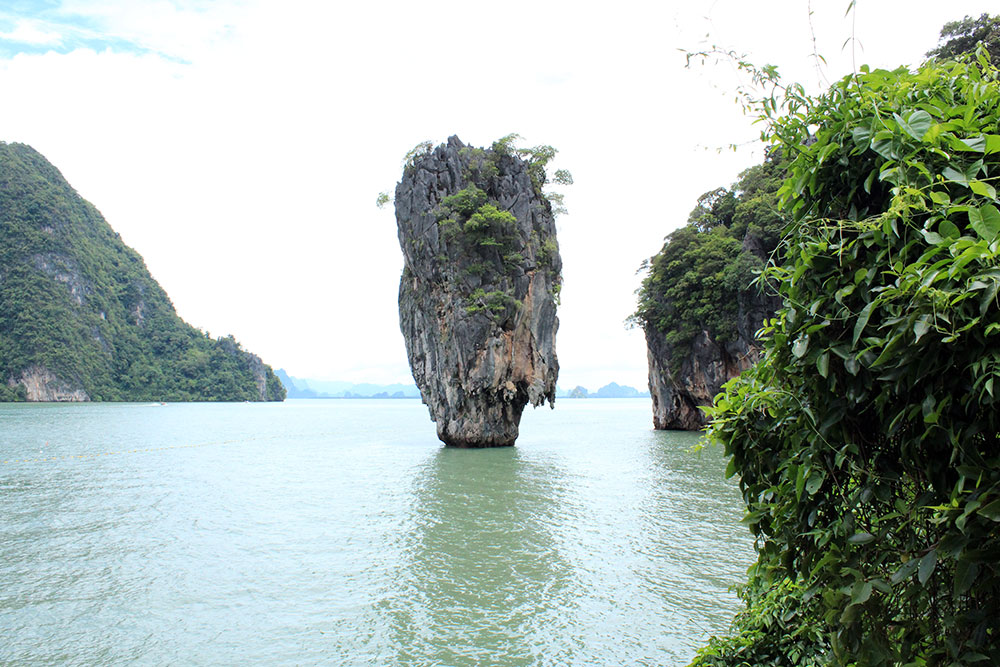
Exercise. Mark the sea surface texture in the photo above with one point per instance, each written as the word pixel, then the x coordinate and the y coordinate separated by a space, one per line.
pixel 341 532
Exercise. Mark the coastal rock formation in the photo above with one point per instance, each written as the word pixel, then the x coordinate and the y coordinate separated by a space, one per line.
pixel 682 378
pixel 82 319
pixel 477 297
pixel 699 305
pixel 40 384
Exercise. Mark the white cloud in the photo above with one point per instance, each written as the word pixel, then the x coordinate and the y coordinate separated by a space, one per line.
pixel 32 32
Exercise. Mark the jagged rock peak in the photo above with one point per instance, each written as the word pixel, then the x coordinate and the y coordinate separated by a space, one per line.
pixel 478 294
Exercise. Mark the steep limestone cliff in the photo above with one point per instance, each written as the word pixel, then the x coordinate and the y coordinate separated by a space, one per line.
pixel 697 307
pixel 477 298
pixel 40 384
pixel 682 378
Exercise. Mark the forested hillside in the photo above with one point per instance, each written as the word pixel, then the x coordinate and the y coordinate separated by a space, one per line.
pixel 81 318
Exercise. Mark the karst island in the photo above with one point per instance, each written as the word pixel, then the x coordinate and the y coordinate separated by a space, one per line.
pixel 480 285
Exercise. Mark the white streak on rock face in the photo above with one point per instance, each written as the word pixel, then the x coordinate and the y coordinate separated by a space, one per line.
pixel 477 370
pixel 42 386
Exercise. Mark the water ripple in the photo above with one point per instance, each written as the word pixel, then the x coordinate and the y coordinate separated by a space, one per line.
pixel 340 532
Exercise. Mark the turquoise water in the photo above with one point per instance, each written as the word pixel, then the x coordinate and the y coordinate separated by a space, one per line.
pixel 341 532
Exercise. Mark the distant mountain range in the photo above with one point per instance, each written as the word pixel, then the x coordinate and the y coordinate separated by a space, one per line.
pixel 308 388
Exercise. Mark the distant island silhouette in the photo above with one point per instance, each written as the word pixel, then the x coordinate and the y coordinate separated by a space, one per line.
pixel 309 388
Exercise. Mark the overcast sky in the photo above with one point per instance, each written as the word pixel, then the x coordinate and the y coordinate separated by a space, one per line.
pixel 239 146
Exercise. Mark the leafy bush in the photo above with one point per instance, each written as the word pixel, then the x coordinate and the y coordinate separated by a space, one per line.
pixel 867 440
pixel 959 38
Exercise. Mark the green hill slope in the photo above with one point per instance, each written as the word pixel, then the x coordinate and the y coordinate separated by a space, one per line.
pixel 81 318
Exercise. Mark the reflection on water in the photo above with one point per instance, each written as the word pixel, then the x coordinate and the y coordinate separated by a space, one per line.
pixel 340 532
pixel 483 576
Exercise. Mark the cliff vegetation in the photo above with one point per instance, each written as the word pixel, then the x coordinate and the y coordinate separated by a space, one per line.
pixel 82 319
pixel 700 305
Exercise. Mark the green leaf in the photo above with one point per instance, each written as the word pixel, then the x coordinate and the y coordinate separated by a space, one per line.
pixel 954 175
pixel 927 408
pixel 916 124
pixel 921 327
pixel 871 179
pixel 983 189
pixel 850 613
pixel 861 538
pixel 861 592
pixel 991 511
pixel 863 317
pixel 992 144
pixel 941 198
pixel 965 575
pixel 823 364
pixel 985 220
pixel 815 481
pixel 926 567
pixel 905 571
pixel 861 136
pixel 949 229
pixel 800 346
pixel 972 144
pixel 933 238
pixel 887 145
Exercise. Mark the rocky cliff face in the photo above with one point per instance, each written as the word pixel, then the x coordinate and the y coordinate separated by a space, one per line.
pixel 477 298
pixel 683 378
pixel 40 384
pixel 699 303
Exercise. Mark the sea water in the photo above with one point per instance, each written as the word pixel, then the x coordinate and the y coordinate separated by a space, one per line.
pixel 341 532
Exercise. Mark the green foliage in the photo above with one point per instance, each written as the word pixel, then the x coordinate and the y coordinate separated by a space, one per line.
pixel 962 38
pixel 563 177
pixel 506 145
pixel 694 283
pixel 537 158
pixel 488 218
pixel 10 394
pixel 867 440
pixel 482 238
pixel 417 152
pixel 776 629
pixel 497 302
pixel 548 251
pixel 481 247
pixel 465 202
pixel 382 199
pixel 76 301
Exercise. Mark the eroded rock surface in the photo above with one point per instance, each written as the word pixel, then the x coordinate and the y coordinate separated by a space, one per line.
pixel 683 378
pixel 477 298
pixel 41 384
